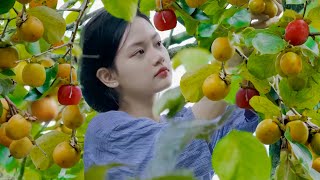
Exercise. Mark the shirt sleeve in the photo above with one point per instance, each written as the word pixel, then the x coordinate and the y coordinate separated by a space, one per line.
pixel 129 142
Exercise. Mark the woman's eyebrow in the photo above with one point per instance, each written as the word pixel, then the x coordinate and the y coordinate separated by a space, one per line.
pixel 138 43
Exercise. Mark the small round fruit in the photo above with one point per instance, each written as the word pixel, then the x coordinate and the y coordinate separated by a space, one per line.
pixel 64 73
pixel 165 3
pixel 195 3
pixel 214 88
pixel 299 131
pixel 221 49
pixel 316 164
pixel 5 109
pixel 24 1
pixel 46 62
pixel 291 64
pixel 8 57
pixel 271 9
pixel 296 83
pixel 66 156
pixel 315 143
pixel 18 127
pixel 20 148
pixel 45 109
pixel 268 132
pixel 49 3
pixel 72 117
pixel 243 97
pixel 257 6
pixel 34 75
pixel 18 71
pixel 4 140
pixel 69 95
pixel 277 65
pixel 238 3
pixel 165 20
pixel 297 32
pixel 31 30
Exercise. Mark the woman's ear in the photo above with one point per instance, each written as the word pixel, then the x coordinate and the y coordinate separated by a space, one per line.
pixel 107 77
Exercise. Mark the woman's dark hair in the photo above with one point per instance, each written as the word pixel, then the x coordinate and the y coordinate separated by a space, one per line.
pixel 100 40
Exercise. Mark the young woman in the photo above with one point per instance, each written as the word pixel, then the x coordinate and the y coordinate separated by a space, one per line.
pixel 123 66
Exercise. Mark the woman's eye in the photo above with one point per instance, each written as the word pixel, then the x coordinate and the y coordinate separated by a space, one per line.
pixel 159 43
pixel 141 51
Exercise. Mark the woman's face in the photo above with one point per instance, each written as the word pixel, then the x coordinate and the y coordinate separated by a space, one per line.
pixel 142 62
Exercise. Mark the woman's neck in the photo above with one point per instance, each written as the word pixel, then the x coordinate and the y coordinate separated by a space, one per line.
pixel 138 107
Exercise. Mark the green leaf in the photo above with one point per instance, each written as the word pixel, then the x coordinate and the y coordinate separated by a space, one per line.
pixel 54 24
pixel 72 17
pixel 262 86
pixel 234 87
pixel 31 174
pixel 98 172
pixel 265 106
pixel 176 137
pixel 206 29
pixel 213 8
pixel 17 96
pixel 51 74
pixel 311 45
pixel 267 43
pixel 146 6
pixel 262 66
pixel 314 15
pixel 190 23
pixel 295 1
pixel 314 115
pixel 6 86
pixel 193 58
pixel 122 9
pixel 191 82
pixel 33 95
pixel 232 152
pixel 305 98
pixel 6 5
pixel 240 19
pixel 33 48
pixel 284 169
pixel 9 163
pixel 172 100
pixel 47 142
pixel 7 72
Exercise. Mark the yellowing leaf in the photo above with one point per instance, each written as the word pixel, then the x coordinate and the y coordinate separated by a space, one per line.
pixel 265 106
pixel 314 16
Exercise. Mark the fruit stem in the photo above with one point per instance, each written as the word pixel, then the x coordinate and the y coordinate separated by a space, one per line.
pixel 23 164
pixel 314 34
pixel 295 111
pixel 13 108
pixel 242 55
pixel 304 8
pixel 223 69
pixel 15 10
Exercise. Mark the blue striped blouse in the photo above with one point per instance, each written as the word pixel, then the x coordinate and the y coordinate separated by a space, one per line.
pixel 115 136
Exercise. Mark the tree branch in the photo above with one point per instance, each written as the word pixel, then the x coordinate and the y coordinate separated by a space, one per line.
pixel 68 4
pixel 177 39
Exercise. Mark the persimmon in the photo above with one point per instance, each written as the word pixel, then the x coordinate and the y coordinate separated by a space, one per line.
pixel 66 156
pixel 45 109
pixel 221 49
pixel 72 117
pixel 215 88
pixel 34 75
pixel 291 64
pixel 5 110
pixel 20 148
pixel 268 132
pixel 31 30
pixel 257 6
pixel 4 140
pixel 8 57
pixel 64 73
pixel 18 127
pixel 298 130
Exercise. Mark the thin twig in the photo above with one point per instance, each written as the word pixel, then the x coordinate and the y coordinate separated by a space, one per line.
pixel 72 9
pixel 223 69
pixel 68 4
pixel 13 108
pixel 242 55
pixel 314 34
pixel 15 10
pixel 6 26
pixel 295 111
pixel 305 8
pixel 23 164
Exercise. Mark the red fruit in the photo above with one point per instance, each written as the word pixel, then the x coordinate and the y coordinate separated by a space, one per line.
pixel 165 20
pixel 243 97
pixel 69 95
pixel 297 32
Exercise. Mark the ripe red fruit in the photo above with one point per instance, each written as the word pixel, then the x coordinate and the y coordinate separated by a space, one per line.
pixel 165 20
pixel 297 32
pixel 243 97
pixel 69 95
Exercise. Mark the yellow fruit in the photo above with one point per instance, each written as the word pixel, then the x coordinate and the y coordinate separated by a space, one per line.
pixel 34 75
pixel 66 156
pixel 18 71
pixel 49 3
pixel 8 57
pixel 271 9
pixel 46 62
pixel 277 65
pixel 4 140
pixel 299 131
pixel 18 127
pixel 20 148
pixel 238 3
pixel 24 1
pixel 221 49
pixel 316 164
pixel 291 64
pixel 5 109
pixel 195 3
pixel 165 3
pixel 65 129
pixel 315 143
pixel 257 6
pixel 72 117
pixel 31 30
pixel 64 73
pixel 268 132
pixel 45 109
pixel 214 88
